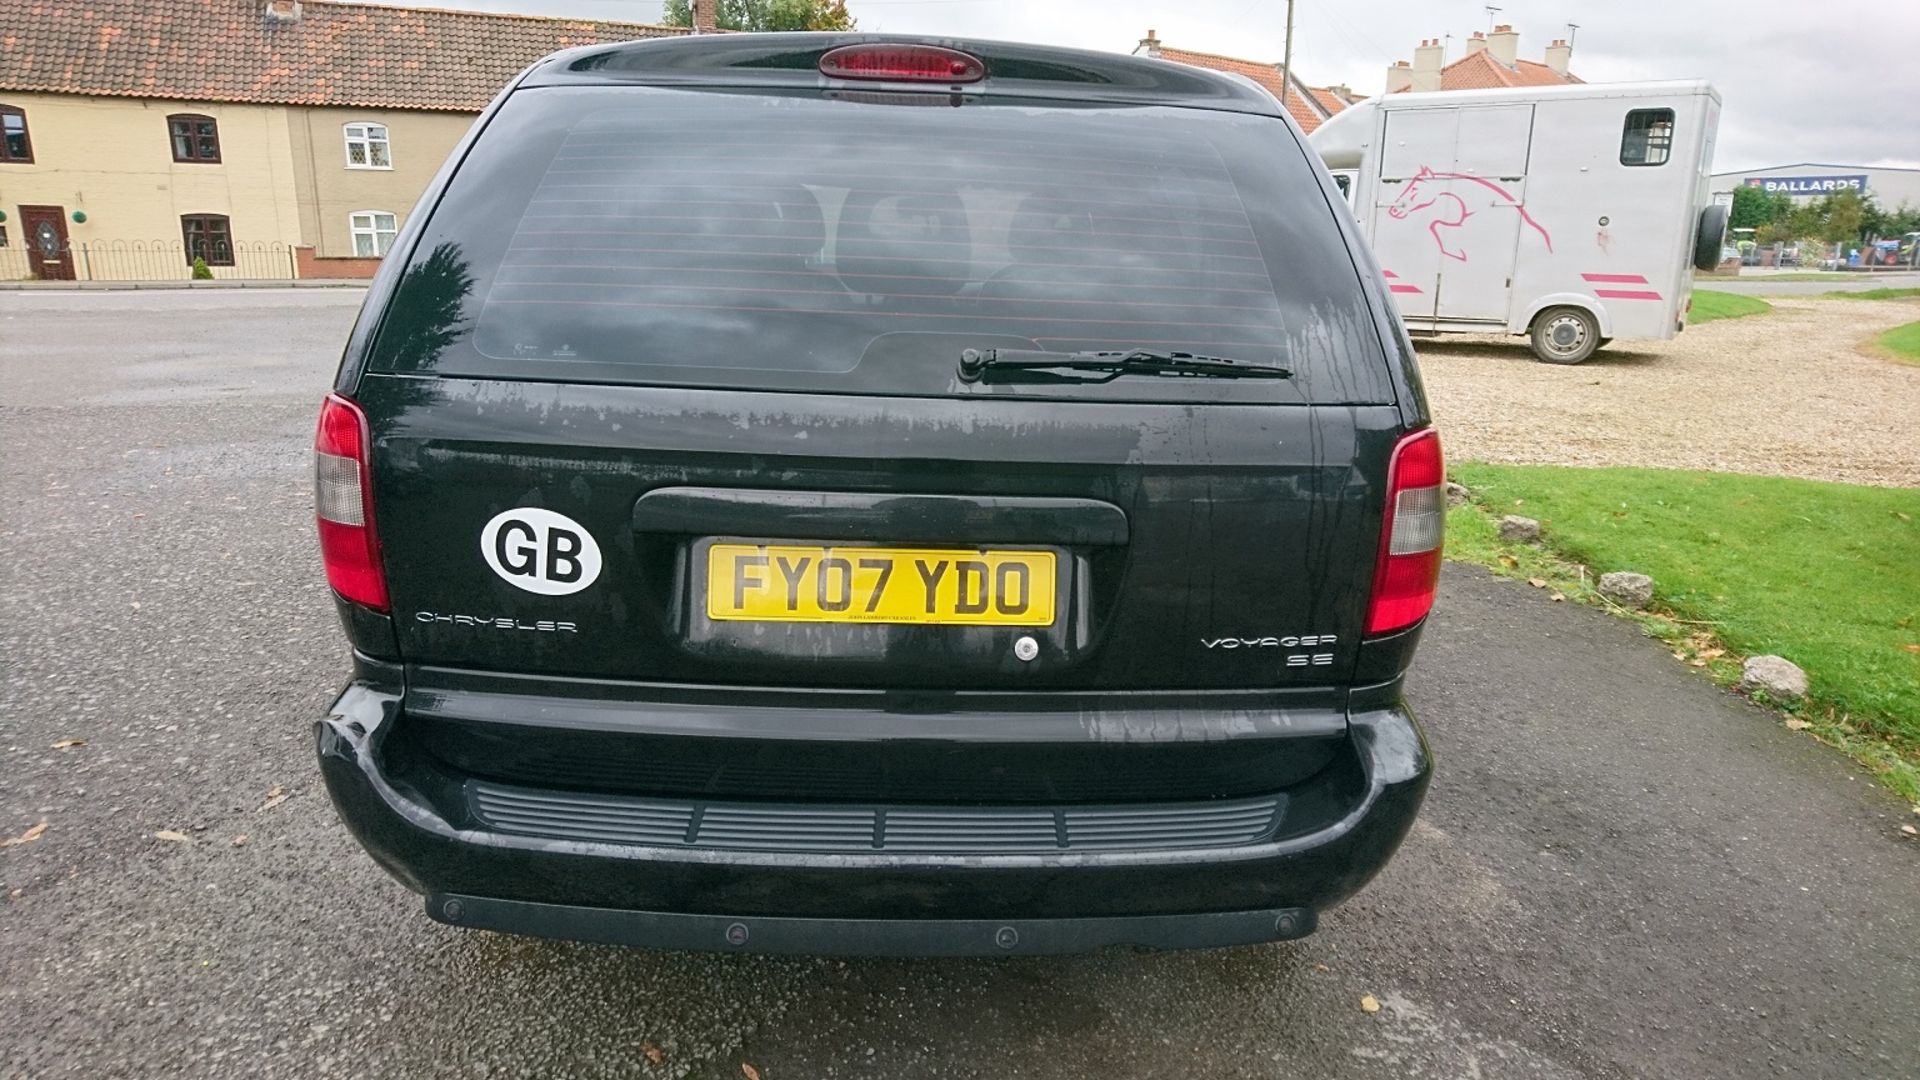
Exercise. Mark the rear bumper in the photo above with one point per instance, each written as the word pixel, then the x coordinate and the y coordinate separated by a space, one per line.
pixel 844 902
pixel 869 937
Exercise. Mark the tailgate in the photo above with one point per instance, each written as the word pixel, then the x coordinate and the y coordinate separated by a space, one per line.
pixel 716 537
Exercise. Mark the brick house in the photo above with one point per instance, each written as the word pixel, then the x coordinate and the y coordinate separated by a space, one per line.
pixel 1490 62
pixel 272 138
pixel 1310 106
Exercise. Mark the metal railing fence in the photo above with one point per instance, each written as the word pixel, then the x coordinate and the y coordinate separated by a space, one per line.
pixel 145 260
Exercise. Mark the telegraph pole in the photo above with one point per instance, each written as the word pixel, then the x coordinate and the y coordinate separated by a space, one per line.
pixel 1286 61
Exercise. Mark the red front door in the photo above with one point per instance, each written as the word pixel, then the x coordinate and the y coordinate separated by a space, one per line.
pixel 47 249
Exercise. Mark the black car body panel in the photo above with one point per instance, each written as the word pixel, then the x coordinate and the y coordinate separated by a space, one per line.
pixel 676 302
pixel 1203 496
pixel 418 819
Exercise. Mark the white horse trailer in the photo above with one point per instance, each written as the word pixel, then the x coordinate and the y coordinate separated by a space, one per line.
pixel 1574 214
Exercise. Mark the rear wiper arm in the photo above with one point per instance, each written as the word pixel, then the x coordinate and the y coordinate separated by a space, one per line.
pixel 977 365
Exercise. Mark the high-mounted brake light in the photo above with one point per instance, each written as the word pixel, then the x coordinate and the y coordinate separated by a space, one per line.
pixel 343 504
pixel 902 63
pixel 1408 571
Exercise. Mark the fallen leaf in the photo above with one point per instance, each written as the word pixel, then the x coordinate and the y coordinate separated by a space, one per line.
pixel 653 1051
pixel 1794 723
pixel 1909 646
pixel 1902 517
pixel 15 894
pixel 1508 560
pixel 1323 967
pixel 1910 830
pixel 1368 1004
pixel 1557 597
pixel 27 837
pixel 239 840
pixel 1679 656
pixel 749 1071
pixel 173 837
pixel 275 797
pixel 1697 662
pixel 1538 583
pixel 64 743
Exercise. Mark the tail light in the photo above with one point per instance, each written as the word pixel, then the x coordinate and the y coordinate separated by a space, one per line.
pixel 343 504
pixel 902 63
pixel 1409 568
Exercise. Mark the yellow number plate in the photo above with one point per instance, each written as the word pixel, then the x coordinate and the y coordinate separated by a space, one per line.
pixel 790 583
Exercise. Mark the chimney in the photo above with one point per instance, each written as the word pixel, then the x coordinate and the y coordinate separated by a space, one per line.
pixel 1475 43
pixel 704 20
pixel 1504 44
pixel 282 11
pixel 1151 43
pixel 1428 59
pixel 1399 77
pixel 1559 56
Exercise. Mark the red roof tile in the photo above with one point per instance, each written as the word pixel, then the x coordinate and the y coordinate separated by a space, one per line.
pixel 1307 112
pixel 334 54
pixel 1329 101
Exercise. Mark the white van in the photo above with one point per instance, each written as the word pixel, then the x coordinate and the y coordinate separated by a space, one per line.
pixel 1574 214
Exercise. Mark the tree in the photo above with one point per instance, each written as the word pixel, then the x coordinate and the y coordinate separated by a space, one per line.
pixel 769 14
pixel 1807 220
pixel 1877 222
pixel 1756 206
pixel 1751 208
pixel 1841 217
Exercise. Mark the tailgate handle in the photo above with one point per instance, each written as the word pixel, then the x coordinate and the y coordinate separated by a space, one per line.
pixel 840 515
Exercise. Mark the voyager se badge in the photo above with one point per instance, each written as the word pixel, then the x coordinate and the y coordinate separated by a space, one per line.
pixel 1290 641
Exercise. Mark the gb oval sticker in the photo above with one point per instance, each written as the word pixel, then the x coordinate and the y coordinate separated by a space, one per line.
pixel 540 551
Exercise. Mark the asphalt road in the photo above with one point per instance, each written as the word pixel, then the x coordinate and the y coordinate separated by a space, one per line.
pixel 1621 871
pixel 1762 285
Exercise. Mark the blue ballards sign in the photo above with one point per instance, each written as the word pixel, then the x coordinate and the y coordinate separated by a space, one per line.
pixel 1809 185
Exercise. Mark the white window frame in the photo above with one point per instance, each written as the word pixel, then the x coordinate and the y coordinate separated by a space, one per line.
pixel 362 132
pixel 372 231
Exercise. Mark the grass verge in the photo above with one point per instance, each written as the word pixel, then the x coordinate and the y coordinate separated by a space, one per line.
pixel 1822 574
pixel 1711 304
pixel 1872 294
pixel 1901 343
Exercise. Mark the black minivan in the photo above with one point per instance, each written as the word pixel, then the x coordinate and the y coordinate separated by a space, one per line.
pixel 859 494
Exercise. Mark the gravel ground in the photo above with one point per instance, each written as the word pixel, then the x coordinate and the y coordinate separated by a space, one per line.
pixel 1784 394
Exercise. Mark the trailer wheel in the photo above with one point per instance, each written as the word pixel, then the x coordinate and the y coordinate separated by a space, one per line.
pixel 1565 335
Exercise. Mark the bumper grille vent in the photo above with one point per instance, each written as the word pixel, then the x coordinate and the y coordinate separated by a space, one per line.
pixel 944 830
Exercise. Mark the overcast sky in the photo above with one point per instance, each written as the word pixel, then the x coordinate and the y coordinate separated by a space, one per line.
pixel 1803 80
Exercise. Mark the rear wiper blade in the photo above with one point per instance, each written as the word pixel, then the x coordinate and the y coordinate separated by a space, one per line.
pixel 977 365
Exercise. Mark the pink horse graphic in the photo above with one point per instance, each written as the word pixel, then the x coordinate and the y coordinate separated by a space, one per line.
pixel 1452 212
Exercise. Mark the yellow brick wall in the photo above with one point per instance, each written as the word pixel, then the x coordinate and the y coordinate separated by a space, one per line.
pixel 112 159
pixel 330 192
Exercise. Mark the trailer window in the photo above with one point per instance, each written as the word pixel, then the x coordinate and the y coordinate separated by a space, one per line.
pixel 1648 139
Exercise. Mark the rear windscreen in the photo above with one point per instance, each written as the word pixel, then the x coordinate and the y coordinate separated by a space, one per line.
pixel 818 243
